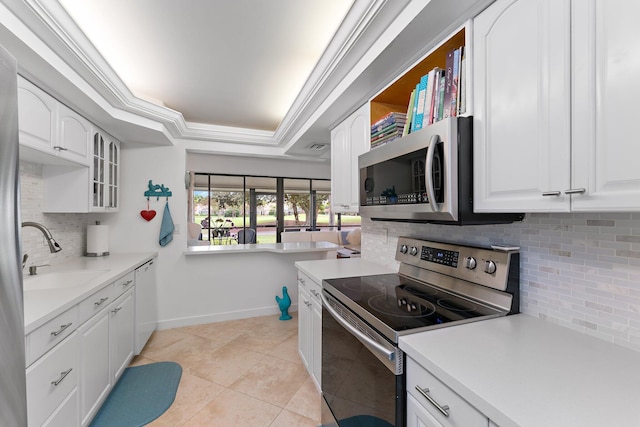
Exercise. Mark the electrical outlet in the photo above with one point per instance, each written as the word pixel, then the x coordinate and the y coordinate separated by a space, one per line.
pixel 176 228
pixel 385 235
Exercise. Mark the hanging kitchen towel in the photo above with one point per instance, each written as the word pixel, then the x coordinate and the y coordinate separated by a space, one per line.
pixel 166 228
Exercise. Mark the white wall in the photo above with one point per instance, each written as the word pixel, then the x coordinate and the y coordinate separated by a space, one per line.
pixel 579 270
pixel 196 289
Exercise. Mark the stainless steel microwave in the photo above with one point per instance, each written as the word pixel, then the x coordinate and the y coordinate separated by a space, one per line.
pixel 426 176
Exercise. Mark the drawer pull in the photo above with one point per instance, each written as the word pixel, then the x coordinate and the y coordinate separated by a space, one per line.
pixel 63 375
pixel 61 330
pixel 551 193
pixel 59 148
pixel 442 408
pixel 315 293
pixel 127 283
pixel 117 309
pixel 102 301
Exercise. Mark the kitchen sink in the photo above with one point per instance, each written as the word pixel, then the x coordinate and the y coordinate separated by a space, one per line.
pixel 62 279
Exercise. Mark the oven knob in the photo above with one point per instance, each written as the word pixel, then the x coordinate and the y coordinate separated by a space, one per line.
pixel 411 307
pixel 470 263
pixel 401 302
pixel 404 249
pixel 414 251
pixel 490 267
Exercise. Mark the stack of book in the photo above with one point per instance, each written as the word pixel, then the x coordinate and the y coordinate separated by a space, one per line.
pixel 439 94
pixel 387 129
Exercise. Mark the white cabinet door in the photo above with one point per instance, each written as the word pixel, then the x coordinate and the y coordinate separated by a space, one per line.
pixel 522 106
pixel 418 416
pixel 316 343
pixel 36 116
pixel 605 91
pixel 74 135
pixel 348 140
pixel 105 173
pixel 95 377
pixel 121 318
pixel 146 312
pixel 304 326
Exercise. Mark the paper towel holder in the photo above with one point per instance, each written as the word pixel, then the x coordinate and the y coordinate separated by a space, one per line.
pixel 98 253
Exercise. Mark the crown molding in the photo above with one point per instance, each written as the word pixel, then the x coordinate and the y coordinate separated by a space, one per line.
pixel 51 23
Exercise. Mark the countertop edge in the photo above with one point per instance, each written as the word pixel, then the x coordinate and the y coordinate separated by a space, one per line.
pixel 278 248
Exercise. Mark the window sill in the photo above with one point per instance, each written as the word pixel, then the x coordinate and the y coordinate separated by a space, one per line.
pixel 279 248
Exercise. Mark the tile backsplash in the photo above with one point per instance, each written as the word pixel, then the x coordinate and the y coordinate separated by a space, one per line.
pixel 68 229
pixel 579 270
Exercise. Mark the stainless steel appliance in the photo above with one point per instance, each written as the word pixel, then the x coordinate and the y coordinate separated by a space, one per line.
pixel 426 176
pixel 13 395
pixel 438 285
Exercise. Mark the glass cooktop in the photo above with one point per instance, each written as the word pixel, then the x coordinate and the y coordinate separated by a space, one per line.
pixel 403 304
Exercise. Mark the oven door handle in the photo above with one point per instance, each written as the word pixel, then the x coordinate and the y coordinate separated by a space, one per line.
pixel 431 192
pixel 390 355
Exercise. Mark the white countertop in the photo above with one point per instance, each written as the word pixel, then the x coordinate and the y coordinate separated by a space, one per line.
pixel 280 248
pixel 344 267
pixel 42 305
pixel 523 371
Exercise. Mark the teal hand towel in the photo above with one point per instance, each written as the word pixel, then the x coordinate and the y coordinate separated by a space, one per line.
pixel 166 228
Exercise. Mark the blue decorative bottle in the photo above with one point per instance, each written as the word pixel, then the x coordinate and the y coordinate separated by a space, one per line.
pixel 284 303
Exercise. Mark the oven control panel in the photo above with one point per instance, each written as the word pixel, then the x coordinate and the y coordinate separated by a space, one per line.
pixel 485 266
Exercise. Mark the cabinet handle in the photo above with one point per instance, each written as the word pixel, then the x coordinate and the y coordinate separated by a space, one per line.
pixel 443 409
pixel 59 148
pixel 307 303
pixel 301 280
pixel 315 293
pixel 575 191
pixel 99 303
pixel 117 309
pixel 551 193
pixel 63 375
pixel 61 330
pixel 127 283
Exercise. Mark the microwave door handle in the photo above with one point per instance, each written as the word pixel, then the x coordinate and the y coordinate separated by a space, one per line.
pixel 431 192
pixel 390 355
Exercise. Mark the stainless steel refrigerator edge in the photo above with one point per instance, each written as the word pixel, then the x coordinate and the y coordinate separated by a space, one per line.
pixel 13 395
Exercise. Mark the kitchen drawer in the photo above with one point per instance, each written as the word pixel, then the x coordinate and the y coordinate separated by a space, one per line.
pixel 51 333
pixel 461 413
pixel 51 379
pixel 315 290
pixel 124 283
pixel 95 303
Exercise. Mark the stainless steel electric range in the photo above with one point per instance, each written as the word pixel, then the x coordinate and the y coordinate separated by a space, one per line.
pixel 438 285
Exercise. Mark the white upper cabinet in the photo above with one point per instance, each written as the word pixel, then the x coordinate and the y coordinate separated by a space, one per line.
pixel 348 140
pixel 554 83
pixel 605 70
pixel 522 106
pixel 50 132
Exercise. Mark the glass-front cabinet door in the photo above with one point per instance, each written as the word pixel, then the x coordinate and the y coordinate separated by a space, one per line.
pixel 105 188
pixel 97 197
pixel 113 188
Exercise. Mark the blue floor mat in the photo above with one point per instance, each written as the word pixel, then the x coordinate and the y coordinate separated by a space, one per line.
pixel 140 396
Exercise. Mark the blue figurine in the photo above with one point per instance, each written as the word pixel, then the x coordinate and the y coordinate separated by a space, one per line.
pixel 284 303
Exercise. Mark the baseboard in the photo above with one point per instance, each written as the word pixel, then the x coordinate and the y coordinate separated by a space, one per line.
pixel 221 317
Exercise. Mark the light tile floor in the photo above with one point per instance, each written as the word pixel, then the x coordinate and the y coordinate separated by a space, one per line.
pixel 236 373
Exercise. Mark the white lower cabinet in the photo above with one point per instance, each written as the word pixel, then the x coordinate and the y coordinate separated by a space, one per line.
pixel 75 359
pixel 95 378
pixel 310 326
pixel 429 399
pixel 51 381
pixel 121 333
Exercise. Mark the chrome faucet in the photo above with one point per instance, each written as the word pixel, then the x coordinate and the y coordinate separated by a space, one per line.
pixel 53 245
